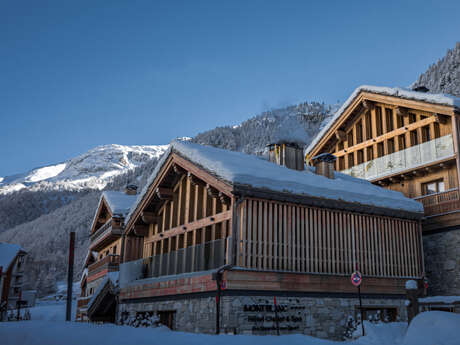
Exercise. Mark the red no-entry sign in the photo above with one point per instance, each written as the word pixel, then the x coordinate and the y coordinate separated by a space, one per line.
pixel 356 278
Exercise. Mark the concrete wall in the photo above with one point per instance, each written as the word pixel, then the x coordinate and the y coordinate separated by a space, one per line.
pixel 316 316
pixel 442 262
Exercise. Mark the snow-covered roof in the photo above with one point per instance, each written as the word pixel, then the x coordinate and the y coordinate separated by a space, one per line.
pixel 442 99
pixel 119 202
pixel 110 277
pixel 8 253
pixel 243 170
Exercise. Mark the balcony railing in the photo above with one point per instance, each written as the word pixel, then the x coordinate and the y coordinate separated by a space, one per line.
pixel 103 229
pixel 82 302
pixel 202 257
pixel 111 260
pixel 412 157
pixel 440 203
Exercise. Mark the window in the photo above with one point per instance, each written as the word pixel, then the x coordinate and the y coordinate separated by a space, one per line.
pixel 341 163
pixel 412 118
pixel 359 132
pixel 368 120
pixel 370 153
pixel 378 118
pixel 167 318
pixel 413 138
pixel 380 150
pixel 389 119
pixel 400 121
pixel 426 134
pixel 391 146
pixel 114 250
pixel 433 187
pixel 350 138
pixel 360 156
pixel 437 130
pixel 402 142
pixel 350 160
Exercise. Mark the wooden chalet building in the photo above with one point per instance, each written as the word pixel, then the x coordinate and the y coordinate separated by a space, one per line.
pixel 225 235
pixel 99 281
pixel 12 262
pixel 407 141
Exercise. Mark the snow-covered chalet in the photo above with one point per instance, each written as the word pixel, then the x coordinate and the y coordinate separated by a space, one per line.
pixel 221 241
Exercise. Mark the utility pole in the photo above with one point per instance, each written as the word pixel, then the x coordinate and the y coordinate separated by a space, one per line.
pixel 70 276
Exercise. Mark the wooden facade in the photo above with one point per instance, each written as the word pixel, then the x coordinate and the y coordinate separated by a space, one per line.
pixel 104 257
pixel 187 210
pixel 401 144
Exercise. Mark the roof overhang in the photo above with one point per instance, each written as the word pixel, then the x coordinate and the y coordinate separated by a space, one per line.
pixel 245 191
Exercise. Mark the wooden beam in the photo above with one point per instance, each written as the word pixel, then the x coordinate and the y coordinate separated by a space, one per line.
pixel 368 105
pixel 440 119
pixel 195 181
pixel 386 136
pixel 400 111
pixel 212 192
pixel 141 230
pixel 178 170
pixel 188 227
pixel 150 218
pixel 164 193
pixel 224 199
pixel 341 135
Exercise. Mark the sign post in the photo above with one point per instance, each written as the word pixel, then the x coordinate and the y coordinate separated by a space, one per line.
pixel 356 280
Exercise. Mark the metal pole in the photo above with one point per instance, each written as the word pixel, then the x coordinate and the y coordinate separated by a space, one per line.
pixel 361 309
pixel 70 276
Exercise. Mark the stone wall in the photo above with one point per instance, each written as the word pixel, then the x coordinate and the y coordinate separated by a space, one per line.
pixel 442 262
pixel 315 316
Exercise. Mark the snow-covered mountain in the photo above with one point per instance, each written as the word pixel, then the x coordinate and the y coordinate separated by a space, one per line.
pixel 444 75
pixel 91 170
pixel 296 123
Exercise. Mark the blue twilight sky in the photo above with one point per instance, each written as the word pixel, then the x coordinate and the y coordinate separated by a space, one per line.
pixel 77 74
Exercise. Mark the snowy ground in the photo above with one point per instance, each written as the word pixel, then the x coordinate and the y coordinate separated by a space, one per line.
pixel 48 328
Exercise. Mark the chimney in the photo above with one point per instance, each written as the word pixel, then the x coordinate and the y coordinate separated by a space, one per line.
pixel 289 155
pixel 324 164
pixel 131 189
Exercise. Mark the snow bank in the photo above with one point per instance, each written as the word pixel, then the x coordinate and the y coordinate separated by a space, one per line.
pixel 8 252
pixel 70 333
pixel 434 328
pixel 440 299
pixel 388 91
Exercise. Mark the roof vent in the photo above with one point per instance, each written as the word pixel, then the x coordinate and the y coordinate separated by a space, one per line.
pixel 421 88
pixel 131 189
pixel 324 164
pixel 289 155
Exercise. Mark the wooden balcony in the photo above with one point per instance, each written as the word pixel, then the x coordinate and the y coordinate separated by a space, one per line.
pixel 82 302
pixel 104 236
pixel 440 203
pixel 109 263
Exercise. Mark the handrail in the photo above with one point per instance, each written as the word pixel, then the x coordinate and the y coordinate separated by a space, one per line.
pixel 415 156
pixel 434 194
pixel 111 259
pixel 101 230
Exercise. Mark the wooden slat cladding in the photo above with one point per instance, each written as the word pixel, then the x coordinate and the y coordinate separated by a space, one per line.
pixel 288 237
pixel 194 215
